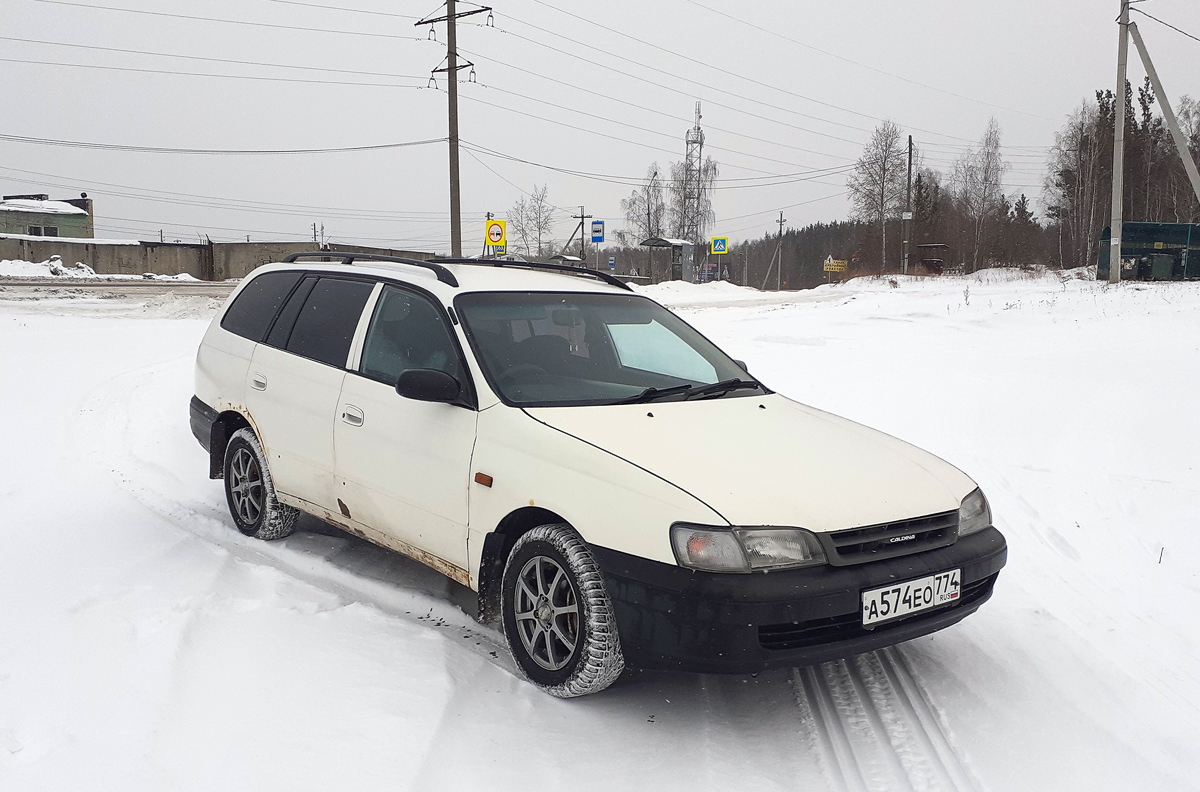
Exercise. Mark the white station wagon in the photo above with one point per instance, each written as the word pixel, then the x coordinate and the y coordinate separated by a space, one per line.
pixel 617 489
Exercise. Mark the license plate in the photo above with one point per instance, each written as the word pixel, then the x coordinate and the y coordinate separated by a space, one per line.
pixel 913 596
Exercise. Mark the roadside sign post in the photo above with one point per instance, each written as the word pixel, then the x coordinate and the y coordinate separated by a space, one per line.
pixel 597 238
pixel 718 246
pixel 834 265
pixel 494 235
pixel 612 262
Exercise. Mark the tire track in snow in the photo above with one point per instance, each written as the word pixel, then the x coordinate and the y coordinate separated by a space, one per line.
pixel 120 415
pixel 874 727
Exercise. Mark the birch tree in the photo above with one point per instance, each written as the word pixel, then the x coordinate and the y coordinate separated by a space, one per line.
pixel 878 182
pixel 978 181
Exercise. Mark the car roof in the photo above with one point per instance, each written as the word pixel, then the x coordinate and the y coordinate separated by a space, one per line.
pixel 482 277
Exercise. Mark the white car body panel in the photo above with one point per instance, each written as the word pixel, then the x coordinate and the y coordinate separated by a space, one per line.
pixel 293 417
pixel 405 470
pixel 609 501
pixel 771 461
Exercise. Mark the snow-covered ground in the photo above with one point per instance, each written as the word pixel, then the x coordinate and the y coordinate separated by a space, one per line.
pixel 148 646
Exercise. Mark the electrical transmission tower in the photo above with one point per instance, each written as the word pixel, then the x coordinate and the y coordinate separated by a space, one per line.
pixel 693 184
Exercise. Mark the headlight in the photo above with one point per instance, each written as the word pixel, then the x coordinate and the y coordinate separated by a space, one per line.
pixel 744 549
pixel 974 514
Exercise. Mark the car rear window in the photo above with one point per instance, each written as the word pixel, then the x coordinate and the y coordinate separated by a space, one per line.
pixel 325 327
pixel 256 305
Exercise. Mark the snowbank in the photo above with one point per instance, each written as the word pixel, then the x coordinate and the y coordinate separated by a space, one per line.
pixel 55 268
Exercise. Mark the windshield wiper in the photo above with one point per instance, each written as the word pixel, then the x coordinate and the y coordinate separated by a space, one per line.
pixel 723 387
pixel 650 394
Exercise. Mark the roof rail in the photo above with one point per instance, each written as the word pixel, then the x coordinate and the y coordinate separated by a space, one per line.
pixel 443 274
pixel 604 276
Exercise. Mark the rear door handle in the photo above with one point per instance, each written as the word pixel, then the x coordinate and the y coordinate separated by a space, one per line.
pixel 352 415
pixel 258 381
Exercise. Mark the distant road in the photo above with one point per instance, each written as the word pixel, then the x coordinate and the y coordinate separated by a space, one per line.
pixel 59 287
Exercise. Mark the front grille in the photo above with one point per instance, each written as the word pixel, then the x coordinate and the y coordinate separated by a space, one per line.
pixel 889 540
pixel 848 626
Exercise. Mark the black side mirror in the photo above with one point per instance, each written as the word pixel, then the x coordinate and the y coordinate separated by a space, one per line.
pixel 429 385
pixel 742 365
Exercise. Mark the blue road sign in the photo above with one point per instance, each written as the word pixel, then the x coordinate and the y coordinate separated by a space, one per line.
pixel 612 262
pixel 597 230
pixel 720 245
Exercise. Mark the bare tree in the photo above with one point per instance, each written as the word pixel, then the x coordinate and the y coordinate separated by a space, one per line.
pixel 645 210
pixel 691 219
pixel 977 179
pixel 519 226
pixel 540 218
pixel 877 185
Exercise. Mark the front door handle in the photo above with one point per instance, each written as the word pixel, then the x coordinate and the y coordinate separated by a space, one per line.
pixel 258 381
pixel 352 415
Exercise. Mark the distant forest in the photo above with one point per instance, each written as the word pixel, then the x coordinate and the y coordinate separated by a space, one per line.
pixel 967 210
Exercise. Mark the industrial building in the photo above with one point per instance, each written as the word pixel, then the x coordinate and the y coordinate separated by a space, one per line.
pixel 36 215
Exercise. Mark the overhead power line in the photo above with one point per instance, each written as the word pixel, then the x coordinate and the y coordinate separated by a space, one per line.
pixel 207 59
pixel 844 59
pixel 177 72
pixel 169 150
pixel 349 10
pixel 1167 24
pixel 232 21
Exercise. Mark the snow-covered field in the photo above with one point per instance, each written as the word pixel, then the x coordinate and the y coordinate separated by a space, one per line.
pixel 146 645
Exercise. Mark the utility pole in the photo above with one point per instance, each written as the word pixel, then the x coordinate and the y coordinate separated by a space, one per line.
pixel 582 218
pixel 485 240
pixel 779 249
pixel 451 70
pixel 908 207
pixel 1118 187
pixel 777 254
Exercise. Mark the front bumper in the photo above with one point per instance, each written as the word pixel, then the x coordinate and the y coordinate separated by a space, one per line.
pixel 670 617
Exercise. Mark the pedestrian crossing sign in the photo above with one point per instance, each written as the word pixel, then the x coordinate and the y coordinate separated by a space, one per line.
pixel 720 246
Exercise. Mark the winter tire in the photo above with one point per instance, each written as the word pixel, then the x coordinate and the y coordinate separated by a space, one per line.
pixel 558 618
pixel 250 493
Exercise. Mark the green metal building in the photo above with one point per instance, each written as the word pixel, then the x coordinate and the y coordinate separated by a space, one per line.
pixel 1153 251
pixel 37 215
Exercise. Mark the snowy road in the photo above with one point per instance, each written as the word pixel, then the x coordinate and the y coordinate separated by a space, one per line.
pixel 148 645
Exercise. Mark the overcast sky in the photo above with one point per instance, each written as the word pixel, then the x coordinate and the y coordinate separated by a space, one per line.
pixel 599 88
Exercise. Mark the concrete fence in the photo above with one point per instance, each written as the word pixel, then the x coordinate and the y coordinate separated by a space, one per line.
pixel 213 261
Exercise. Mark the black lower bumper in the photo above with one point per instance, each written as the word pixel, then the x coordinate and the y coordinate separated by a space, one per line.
pixel 202 419
pixel 669 617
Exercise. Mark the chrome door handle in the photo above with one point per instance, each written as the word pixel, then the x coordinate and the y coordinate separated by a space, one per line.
pixel 258 381
pixel 352 415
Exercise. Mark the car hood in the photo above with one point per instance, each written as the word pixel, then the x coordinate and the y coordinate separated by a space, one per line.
pixel 771 461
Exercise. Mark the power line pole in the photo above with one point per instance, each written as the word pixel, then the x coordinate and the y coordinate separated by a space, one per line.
pixel 772 263
pixel 485 239
pixel 908 207
pixel 451 70
pixel 1118 186
pixel 779 248
pixel 582 218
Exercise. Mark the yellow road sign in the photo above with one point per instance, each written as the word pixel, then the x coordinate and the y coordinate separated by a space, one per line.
pixel 832 265
pixel 495 233
pixel 719 246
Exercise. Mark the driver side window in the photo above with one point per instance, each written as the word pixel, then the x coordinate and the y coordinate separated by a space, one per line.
pixel 407 332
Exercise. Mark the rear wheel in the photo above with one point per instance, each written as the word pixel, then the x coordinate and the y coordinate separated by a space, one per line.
pixel 558 618
pixel 250 492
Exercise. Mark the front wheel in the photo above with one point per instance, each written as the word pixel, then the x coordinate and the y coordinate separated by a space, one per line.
pixel 558 618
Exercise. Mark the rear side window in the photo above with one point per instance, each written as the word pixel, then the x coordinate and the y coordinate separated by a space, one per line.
pixel 252 311
pixel 282 330
pixel 325 327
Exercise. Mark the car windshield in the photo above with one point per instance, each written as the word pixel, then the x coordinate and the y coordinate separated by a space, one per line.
pixel 558 349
